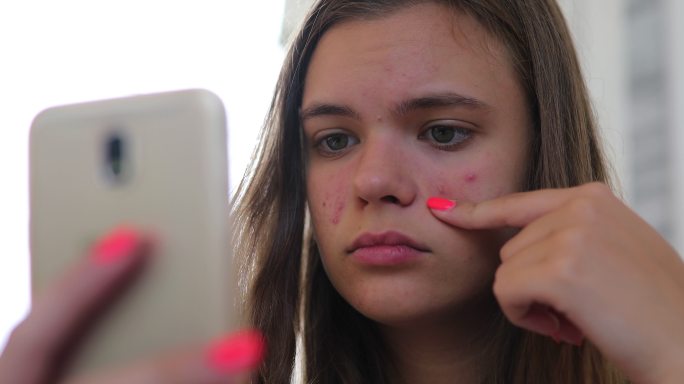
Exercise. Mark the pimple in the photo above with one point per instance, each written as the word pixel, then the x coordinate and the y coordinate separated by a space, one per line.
pixel 470 177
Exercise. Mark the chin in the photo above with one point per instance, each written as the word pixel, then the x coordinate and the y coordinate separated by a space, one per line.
pixel 393 302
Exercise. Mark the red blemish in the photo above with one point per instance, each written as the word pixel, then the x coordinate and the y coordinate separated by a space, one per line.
pixel 441 190
pixel 338 213
pixel 471 177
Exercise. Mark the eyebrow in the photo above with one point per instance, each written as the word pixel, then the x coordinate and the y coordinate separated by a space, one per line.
pixel 323 109
pixel 439 100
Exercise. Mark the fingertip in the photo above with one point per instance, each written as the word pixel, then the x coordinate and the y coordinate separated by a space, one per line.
pixel 546 321
pixel 236 353
pixel 541 319
pixel 440 204
pixel 119 244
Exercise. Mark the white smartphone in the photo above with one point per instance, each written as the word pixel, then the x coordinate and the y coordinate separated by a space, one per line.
pixel 157 163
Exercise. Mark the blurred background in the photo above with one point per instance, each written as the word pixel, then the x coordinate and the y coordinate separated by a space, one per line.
pixel 76 50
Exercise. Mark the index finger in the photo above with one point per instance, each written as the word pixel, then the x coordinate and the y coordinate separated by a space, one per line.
pixel 514 210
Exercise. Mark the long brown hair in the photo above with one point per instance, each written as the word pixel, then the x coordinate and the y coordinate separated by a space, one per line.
pixel 287 294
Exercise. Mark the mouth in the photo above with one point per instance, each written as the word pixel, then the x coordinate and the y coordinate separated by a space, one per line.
pixel 386 249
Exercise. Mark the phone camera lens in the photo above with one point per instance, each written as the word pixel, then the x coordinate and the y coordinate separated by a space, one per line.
pixel 115 157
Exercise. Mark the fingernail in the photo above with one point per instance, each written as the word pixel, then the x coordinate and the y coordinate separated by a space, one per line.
pixel 575 340
pixel 440 204
pixel 116 245
pixel 554 323
pixel 239 352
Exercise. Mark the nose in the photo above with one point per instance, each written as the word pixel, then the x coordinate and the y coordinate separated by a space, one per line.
pixel 383 174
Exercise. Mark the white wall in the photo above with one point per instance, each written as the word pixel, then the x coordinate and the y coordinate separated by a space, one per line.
pixel 598 30
pixel 675 43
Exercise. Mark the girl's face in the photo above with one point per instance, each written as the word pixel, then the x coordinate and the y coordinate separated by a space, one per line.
pixel 420 103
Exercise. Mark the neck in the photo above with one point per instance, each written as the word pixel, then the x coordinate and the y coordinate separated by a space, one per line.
pixel 452 348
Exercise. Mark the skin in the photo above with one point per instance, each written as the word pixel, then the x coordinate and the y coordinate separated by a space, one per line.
pixel 381 180
pixel 599 267
pixel 580 262
pixel 35 351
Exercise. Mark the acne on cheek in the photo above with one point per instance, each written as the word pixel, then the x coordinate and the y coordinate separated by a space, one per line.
pixel 465 187
pixel 332 190
pixel 333 206
pixel 470 177
pixel 337 212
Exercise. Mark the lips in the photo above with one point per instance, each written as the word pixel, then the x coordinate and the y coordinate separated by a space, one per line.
pixel 386 248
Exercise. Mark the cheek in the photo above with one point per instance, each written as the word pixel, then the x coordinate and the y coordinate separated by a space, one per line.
pixel 338 204
pixel 327 199
pixel 464 185
pixel 470 177
pixel 475 182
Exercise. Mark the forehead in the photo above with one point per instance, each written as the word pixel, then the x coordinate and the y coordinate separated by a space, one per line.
pixel 421 48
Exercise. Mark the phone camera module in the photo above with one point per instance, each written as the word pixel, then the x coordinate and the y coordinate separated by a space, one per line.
pixel 115 158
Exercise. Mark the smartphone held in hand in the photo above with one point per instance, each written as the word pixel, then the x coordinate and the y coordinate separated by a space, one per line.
pixel 156 163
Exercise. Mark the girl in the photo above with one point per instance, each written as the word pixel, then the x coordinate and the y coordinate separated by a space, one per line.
pixel 429 204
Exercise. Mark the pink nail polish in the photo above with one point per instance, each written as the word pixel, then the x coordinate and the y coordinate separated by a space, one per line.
pixel 117 244
pixel 440 204
pixel 239 352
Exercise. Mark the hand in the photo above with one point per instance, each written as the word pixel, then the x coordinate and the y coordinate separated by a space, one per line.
pixel 34 353
pixel 584 263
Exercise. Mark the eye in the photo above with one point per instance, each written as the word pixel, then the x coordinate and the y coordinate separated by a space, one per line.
pixel 334 143
pixel 445 135
pixel 442 134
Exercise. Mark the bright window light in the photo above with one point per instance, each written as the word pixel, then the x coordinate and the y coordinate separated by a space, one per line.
pixel 59 52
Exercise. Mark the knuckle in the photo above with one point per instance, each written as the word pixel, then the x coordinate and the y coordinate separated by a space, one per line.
pixel 564 268
pixel 571 239
pixel 597 190
pixel 500 283
pixel 506 251
pixel 566 264
pixel 585 208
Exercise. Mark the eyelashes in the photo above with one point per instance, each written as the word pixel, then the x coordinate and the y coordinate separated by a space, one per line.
pixel 334 143
pixel 445 135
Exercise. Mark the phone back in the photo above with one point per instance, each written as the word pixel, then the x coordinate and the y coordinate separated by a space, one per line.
pixel 157 163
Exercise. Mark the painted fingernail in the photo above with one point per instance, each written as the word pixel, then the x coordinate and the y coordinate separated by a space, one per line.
pixel 118 244
pixel 575 340
pixel 239 352
pixel 440 204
